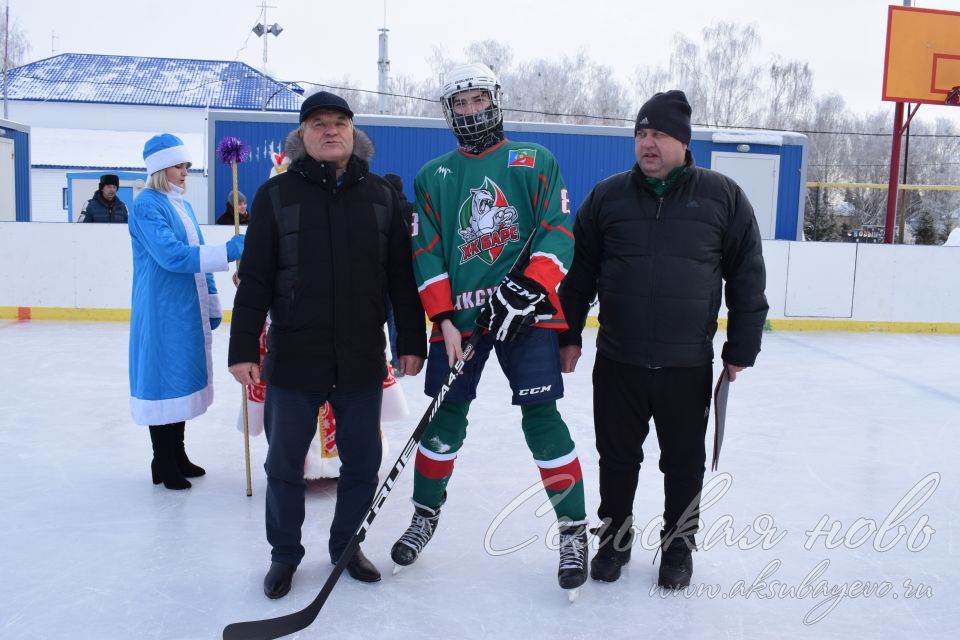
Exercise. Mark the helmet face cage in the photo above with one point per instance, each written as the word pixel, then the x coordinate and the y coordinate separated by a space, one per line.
pixel 469 127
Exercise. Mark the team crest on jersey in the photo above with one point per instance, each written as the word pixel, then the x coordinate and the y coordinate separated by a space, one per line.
pixel 487 223
pixel 522 158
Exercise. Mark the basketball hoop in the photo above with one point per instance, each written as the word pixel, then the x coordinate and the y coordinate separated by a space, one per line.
pixel 953 98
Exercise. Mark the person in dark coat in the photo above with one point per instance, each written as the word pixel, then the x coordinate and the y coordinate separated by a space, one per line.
pixel 657 243
pixel 227 216
pixel 105 206
pixel 326 247
pixel 406 207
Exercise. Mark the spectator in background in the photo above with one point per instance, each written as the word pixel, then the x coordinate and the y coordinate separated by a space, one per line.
pixel 227 216
pixel 406 208
pixel 105 206
pixel 174 309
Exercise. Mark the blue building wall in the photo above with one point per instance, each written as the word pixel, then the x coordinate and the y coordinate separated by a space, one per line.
pixel 585 158
pixel 21 152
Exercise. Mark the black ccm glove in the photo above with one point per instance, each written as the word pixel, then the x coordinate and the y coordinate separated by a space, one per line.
pixel 514 307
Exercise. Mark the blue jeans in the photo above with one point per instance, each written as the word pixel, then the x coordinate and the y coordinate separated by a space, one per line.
pixel 290 422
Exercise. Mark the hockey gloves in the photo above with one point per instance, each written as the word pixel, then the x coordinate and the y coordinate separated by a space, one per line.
pixel 514 307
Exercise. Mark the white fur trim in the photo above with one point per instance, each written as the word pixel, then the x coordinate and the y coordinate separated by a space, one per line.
pixel 164 158
pixel 157 412
pixel 216 311
pixel 213 257
pixel 394 405
pixel 254 418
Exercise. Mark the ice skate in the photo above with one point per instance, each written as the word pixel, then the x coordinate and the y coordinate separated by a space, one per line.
pixel 573 559
pixel 407 549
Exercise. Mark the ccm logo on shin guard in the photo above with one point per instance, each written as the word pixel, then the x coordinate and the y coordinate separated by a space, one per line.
pixel 534 390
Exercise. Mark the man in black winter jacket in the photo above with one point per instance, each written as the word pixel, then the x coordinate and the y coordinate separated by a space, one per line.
pixel 656 244
pixel 325 248
pixel 105 206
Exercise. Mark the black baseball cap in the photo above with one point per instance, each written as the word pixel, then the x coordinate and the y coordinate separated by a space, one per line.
pixel 324 100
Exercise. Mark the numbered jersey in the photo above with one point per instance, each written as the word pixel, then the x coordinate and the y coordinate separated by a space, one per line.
pixel 473 217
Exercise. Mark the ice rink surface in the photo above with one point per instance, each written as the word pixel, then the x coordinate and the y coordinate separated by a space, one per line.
pixel 833 514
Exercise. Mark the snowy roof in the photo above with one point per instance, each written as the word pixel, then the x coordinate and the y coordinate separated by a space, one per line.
pixel 80 148
pixel 172 82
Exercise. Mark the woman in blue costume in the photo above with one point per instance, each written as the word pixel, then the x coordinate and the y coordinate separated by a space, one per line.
pixel 173 311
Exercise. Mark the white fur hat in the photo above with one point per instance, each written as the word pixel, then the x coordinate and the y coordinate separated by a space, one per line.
pixel 164 150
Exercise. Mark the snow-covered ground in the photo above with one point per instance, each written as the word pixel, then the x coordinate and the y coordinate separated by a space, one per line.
pixel 830 432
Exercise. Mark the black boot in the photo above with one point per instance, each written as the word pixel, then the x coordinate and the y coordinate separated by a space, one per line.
pixel 614 552
pixel 187 468
pixel 360 568
pixel 164 464
pixel 676 566
pixel 573 556
pixel 278 580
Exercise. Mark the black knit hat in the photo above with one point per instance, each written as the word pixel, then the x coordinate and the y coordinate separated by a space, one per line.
pixel 324 100
pixel 668 112
pixel 109 178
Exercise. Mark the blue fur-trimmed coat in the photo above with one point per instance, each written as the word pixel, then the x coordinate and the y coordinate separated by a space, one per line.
pixel 174 301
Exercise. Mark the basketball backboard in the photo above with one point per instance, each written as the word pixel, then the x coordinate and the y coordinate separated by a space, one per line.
pixel 922 62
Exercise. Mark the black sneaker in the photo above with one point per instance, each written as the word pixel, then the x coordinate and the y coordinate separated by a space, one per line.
pixel 676 566
pixel 407 549
pixel 614 552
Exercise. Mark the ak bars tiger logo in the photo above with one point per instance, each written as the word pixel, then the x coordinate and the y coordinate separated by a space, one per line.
pixel 487 223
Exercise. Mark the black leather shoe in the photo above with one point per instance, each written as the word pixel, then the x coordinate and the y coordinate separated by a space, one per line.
pixel 362 569
pixel 276 583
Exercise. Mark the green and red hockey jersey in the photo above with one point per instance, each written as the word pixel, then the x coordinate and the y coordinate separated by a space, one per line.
pixel 474 214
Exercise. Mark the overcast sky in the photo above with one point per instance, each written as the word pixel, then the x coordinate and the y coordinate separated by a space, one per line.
pixel 843 40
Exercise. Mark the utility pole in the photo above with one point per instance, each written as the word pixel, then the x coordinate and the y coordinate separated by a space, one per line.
pixel 383 64
pixel 6 57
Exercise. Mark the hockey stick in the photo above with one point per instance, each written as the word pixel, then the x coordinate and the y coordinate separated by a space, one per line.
pixel 270 628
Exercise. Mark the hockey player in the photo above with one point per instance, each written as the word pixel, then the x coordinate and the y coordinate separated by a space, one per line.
pixel 476 207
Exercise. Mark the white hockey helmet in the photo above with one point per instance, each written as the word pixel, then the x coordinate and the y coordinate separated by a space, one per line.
pixel 463 78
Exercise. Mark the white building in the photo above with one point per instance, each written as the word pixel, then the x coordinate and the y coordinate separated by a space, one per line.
pixel 91 114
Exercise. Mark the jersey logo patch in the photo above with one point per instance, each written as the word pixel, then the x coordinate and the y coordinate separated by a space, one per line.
pixel 487 223
pixel 442 171
pixel 522 158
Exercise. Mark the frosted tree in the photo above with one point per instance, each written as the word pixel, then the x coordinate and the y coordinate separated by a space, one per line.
pixel 13 44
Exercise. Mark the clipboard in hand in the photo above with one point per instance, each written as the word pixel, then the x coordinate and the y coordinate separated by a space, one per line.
pixel 720 393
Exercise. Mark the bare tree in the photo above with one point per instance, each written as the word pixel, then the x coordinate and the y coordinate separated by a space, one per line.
pixel 416 97
pixel 791 98
pixel 13 44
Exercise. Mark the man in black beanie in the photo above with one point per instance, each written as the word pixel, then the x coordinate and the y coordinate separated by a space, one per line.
pixel 657 242
pixel 105 206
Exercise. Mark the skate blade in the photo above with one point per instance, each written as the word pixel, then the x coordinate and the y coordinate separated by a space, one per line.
pixel 573 594
pixel 397 568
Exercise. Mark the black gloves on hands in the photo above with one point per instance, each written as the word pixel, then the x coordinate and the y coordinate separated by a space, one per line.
pixel 517 304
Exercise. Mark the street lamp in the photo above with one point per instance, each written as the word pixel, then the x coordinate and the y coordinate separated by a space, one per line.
pixel 261 29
